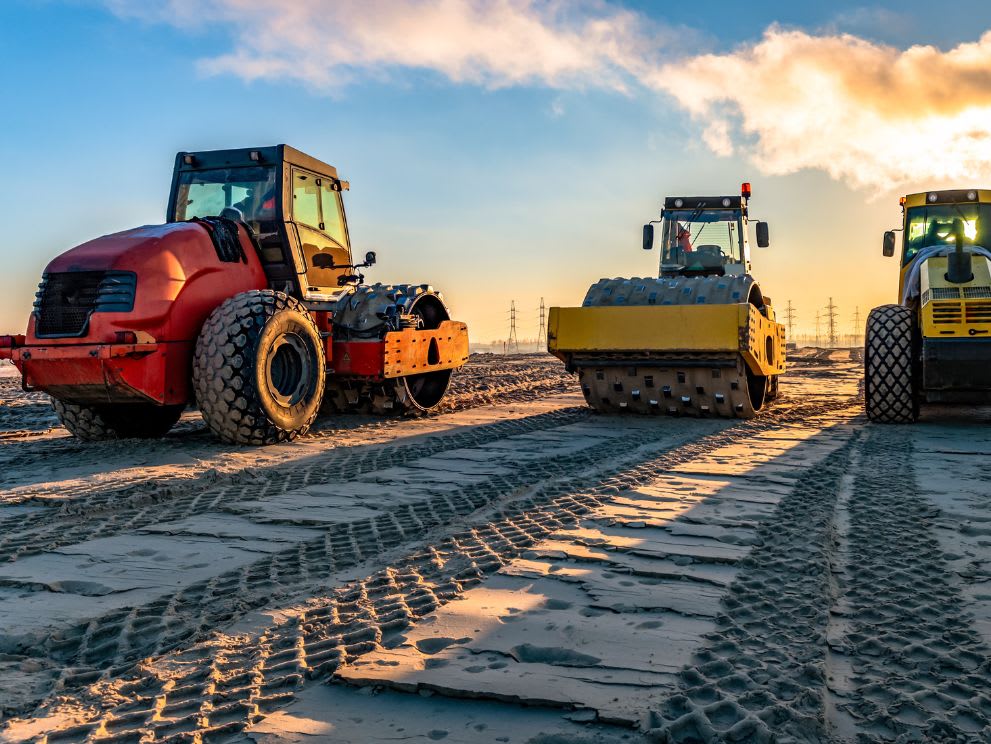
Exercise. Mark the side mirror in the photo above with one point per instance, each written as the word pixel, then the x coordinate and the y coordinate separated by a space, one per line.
pixel 648 237
pixel 370 258
pixel 888 245
pixel 763 238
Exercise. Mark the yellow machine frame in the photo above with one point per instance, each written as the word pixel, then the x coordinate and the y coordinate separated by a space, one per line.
pixel 670 329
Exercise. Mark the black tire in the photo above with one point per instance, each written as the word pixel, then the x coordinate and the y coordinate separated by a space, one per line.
pixel 116 421
pixel 890 393
pixel 259 369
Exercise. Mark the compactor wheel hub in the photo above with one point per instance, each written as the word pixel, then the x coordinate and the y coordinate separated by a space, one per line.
pixel 290 369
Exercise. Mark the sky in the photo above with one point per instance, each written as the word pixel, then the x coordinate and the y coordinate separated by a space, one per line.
pixel 507 150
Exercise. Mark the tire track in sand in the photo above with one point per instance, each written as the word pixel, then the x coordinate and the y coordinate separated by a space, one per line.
pixel 216 688
pixel 919 671
pixel 109 511
pixel 760 676
pixel 105 644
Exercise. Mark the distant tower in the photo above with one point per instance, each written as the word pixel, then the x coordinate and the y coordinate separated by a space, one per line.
pixel 542 333
pixel 513 343
pixel 818 320
pixel 831 318
pixel 790 318
pixel 856 326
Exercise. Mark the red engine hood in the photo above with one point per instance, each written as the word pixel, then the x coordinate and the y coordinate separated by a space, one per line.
pixel 180 279
pixel 127 250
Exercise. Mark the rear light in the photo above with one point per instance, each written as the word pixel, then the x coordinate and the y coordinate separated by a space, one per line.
pixel 8 344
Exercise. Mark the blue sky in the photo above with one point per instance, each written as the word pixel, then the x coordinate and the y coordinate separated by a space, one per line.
pixel 492 191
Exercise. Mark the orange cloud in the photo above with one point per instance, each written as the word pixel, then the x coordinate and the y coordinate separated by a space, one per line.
pixel 870 115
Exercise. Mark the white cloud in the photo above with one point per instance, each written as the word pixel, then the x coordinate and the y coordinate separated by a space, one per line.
pixel 871 115
pixel 495 43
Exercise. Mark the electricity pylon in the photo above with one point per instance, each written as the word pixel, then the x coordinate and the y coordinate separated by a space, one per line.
pixel 513 341
pixel 831 316
pixel 542 332
pixel 790 318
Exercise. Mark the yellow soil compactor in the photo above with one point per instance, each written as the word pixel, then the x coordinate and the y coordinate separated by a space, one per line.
pixel 934 346
pixel 699 340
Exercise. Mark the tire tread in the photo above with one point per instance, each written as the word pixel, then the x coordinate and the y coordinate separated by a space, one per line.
pixel 223 368
pixel 889 374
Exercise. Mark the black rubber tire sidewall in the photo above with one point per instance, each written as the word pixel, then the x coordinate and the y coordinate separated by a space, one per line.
pixel 295 416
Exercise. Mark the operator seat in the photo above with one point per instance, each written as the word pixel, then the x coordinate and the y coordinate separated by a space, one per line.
pixel 709 256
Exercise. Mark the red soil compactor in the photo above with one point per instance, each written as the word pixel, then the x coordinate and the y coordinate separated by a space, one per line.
pixel 246 303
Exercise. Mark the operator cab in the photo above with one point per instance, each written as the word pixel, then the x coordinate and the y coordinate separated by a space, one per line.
pixel 705 235
pixel 940 219
pixel 291 204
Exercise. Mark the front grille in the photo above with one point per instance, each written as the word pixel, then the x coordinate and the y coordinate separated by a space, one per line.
pixel 978 312
pixel 65 300
pixel 976 293
pixel 946 312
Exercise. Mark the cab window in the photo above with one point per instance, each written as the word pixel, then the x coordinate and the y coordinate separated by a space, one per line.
pixel 702 239
pixel 939 224
pixel 333 212
pixel 306 199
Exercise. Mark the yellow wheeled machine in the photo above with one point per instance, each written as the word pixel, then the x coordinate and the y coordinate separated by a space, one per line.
pixel 934 346
pixel 699 340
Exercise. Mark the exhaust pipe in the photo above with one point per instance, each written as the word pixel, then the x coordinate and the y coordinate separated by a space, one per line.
pixel 958 265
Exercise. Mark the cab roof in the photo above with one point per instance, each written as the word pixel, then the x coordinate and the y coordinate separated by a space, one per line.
pixel 947 196
pixel 704 202
pixel 248 156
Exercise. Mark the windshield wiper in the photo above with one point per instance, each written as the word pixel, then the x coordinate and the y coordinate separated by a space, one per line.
pixel 696 213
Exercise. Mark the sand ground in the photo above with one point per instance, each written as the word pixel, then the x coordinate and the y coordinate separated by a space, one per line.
pixel 515 568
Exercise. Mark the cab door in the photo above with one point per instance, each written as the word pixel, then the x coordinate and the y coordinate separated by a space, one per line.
pixel 318 217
